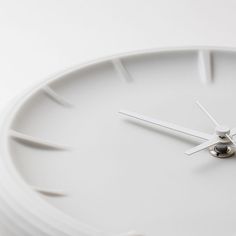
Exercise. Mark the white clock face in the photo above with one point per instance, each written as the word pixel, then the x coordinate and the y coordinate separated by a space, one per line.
pixel 120 174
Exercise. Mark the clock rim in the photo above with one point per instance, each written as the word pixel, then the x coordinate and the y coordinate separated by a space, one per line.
pixel 57 221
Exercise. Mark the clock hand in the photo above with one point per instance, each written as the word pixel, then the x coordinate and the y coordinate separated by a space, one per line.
pixel 214 120
pixel 221 132
pixel 231 139
pixel 167 125
pixel 207 113
pixel 202 146
pixel 233 132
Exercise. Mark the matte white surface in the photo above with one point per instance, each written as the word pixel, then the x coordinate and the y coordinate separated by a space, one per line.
pixel 39 38
pixel 119 175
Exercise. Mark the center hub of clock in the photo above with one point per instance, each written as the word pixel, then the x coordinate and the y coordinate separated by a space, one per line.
pixel 221 131
pixel 222 149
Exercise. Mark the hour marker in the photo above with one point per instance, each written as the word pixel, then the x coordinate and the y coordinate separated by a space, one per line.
pixel 27 139
pixel 56 97
pixel 123 72
pixel 205 66
pixel 49 192
pixel 132 233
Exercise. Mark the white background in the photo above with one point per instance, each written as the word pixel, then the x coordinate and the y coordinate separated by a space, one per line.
pixel 41 37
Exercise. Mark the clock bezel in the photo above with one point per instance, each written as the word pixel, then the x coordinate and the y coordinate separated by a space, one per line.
pixel 42 217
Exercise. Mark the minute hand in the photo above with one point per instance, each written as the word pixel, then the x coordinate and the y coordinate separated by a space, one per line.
pixel 167 125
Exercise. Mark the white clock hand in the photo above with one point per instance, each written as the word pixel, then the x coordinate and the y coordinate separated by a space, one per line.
pixel 231 139
pixel 167 125
pixel 202 146
pixel 220 131
pixel 207 113
pixel 214 121
pixel 233 132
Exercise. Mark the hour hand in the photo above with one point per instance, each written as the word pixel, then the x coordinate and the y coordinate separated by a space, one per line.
pixel 167 125
pixel 202 146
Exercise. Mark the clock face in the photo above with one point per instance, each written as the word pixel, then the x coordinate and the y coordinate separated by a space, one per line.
pixel 117 173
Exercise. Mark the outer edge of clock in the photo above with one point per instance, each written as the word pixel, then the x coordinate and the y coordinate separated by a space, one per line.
pixel 22 211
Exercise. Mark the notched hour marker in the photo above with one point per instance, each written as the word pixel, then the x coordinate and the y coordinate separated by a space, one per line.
pixel 131 233
pixel 205 66
pixel 49 192
pixel 36 142
pixel 56 97
pixel 122 70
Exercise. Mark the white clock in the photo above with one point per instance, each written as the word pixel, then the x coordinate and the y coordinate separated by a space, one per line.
pixel 135 144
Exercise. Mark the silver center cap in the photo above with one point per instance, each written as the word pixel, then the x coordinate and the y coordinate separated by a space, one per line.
pixel 222 149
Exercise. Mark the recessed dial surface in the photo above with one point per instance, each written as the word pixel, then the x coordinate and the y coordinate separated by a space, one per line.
pixel 120 174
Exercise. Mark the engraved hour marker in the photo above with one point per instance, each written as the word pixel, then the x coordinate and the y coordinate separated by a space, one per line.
pixel 36 141
pixel 205 66
pixel 56 97
pixel 49 192
pixel 123 72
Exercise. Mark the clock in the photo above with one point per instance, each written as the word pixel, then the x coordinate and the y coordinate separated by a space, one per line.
pixel 135 144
